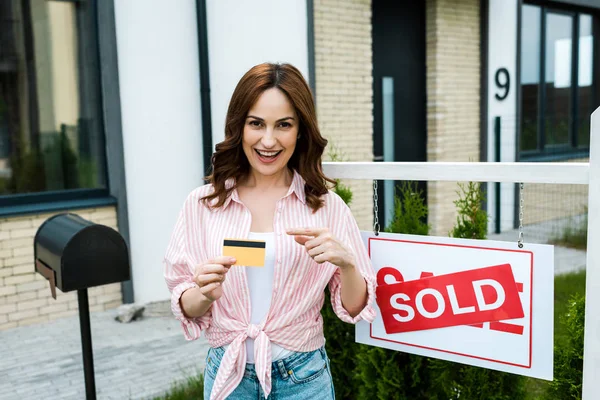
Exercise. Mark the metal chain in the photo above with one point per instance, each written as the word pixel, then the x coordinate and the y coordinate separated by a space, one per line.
pixel 521 207
pixel 376 226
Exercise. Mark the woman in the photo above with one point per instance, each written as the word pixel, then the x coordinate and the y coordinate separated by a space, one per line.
pixel 264 324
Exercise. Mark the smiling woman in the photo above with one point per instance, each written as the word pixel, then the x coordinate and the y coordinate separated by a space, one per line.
pixel 267 191
pixel 269 141
pixel 285 88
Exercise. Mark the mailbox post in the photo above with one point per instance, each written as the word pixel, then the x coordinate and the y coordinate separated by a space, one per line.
pixel 76 254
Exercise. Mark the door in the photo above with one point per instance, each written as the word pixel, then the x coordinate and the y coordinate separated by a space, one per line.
pixel 399 89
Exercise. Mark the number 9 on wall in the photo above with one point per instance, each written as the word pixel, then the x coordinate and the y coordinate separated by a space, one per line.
pixel 503 83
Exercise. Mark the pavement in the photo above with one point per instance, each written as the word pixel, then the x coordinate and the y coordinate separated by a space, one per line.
pixel 565 259
pixel 138 360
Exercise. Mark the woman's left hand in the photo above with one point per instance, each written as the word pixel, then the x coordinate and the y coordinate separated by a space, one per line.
pixel 323 247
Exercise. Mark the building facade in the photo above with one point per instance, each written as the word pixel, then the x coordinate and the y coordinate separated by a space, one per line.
pixel 111 109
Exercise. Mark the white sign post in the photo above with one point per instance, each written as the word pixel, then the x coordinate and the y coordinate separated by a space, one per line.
pixel 591 356
pixel 449 282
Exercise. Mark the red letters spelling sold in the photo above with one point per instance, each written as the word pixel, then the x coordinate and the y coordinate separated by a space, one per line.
pixel 463 298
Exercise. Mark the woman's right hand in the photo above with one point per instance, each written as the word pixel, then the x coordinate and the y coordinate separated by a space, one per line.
pixel 210 275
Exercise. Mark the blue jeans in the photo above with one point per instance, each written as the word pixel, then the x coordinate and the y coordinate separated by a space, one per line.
pixel 296 377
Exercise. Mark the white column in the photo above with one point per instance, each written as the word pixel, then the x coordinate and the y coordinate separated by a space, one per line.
pixel 162 135
pixel 502 53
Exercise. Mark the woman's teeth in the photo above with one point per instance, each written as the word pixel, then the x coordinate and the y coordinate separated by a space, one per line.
pixel 268 154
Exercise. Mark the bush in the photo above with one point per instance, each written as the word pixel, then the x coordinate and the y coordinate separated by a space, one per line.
pixel 191 388
pixel 410 211
pixel 342 350
pixel 340 189
pixel 387 374
pixel 472 220
pixel 568 359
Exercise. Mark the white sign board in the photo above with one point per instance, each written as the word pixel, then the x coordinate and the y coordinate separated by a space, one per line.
pixel 478 302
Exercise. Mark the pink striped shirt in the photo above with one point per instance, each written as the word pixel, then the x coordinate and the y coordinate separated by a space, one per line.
pixel 294 320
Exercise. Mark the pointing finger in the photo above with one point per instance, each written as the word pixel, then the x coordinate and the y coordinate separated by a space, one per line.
pixel 302 239
pixel 306 231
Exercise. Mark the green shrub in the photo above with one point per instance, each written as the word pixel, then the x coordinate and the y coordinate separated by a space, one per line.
pixel 342 350
pixel 343 191
pixel 191 388
pixel 387 374
pixel 472 220
pixel 340 189
pixel 456 381
pixel 568 359
pixel 410 211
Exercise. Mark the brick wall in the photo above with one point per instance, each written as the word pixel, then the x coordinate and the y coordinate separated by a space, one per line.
pixel 453 97
pixel 24 295
pixel 343 58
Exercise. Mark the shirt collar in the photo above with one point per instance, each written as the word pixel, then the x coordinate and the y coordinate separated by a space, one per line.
pixel 297 187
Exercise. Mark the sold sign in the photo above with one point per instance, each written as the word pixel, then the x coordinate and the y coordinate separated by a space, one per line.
pixel 461 298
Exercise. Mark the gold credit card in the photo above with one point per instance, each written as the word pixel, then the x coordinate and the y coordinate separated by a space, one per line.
pixel 250 253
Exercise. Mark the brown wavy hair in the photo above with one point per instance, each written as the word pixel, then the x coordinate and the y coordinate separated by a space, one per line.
pixel 229 160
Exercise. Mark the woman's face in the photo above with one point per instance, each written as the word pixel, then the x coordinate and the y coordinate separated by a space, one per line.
pixel 270 133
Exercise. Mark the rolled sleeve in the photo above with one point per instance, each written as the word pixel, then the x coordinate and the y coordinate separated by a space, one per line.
pixel 352 238
pixel 192 327
pixel 366 314
pixel 178 273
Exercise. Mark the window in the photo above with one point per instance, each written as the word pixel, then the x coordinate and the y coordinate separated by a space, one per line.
pixel 557 82
pixel 51 132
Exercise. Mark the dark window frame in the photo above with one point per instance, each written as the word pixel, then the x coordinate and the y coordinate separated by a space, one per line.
pixel 49 201
pixel 571 150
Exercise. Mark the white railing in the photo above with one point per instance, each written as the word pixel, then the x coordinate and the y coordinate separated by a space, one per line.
pixel 573 173
pixel 554 173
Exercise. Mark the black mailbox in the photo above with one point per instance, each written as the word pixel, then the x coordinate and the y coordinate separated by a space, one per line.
pixel 76 254
pixel 73 253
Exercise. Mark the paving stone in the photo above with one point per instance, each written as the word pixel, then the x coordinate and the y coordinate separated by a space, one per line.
pixel 138 360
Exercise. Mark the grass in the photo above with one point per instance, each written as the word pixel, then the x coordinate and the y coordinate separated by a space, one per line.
pixel 565 286
pixel 192 388
pixel 573 236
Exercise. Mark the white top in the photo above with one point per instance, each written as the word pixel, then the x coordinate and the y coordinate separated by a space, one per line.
pixel 260 284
